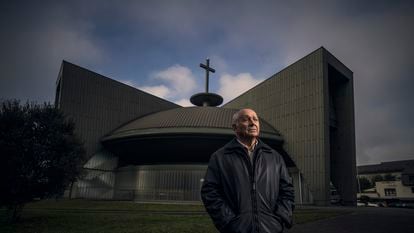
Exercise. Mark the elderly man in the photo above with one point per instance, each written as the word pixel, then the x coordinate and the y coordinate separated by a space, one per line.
pixel 247 188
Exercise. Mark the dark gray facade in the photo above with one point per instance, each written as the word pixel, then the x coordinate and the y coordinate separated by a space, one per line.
pixel 308 105
pixel 98 104
pixel 311 104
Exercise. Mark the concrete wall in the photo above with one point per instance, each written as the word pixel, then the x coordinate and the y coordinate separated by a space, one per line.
pixel 296 102
pixel 98 180
pixel 98 104
pixel 303 195
pixel 340 96
pixel 174 183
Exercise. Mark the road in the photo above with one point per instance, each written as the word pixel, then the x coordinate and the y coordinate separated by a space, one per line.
pixel 363 220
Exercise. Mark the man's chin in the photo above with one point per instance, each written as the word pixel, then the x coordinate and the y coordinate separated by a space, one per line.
pixel 252 135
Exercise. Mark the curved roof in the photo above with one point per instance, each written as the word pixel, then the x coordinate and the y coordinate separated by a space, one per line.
pixel 186 120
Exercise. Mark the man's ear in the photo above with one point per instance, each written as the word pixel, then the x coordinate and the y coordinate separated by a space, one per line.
pixel 234 127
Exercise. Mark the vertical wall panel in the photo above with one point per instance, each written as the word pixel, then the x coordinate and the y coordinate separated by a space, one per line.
pixel 163 182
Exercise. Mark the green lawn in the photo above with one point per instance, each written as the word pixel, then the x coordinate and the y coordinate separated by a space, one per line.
pixel 76 216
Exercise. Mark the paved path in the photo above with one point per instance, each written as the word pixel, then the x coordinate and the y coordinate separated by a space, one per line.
pixel 363 220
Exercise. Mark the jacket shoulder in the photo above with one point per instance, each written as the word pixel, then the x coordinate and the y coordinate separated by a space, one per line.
pixel 219 152
pixel 269 150
pixel 228 148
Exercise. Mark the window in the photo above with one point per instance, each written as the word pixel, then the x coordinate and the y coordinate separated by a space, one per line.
pixel 390 192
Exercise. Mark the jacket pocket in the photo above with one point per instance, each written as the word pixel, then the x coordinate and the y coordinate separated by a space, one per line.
pixel 231 226
pixel 271 223
pixel 239 224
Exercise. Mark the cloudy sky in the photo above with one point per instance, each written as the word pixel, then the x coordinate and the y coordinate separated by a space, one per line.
pixel 157 46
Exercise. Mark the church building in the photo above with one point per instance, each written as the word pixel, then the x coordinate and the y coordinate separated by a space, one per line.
pixel 144 148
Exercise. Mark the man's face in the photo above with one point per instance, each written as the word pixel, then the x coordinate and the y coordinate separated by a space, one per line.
pixel 247 124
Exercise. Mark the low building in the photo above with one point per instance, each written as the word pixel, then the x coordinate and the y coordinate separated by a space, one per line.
pixel 391 180
pixel 394 189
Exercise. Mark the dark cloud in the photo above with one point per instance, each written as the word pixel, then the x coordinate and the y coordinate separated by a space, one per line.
pixel 134 39
pixel 37 39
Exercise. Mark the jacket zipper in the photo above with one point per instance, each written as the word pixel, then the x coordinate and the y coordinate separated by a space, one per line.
pixel 252 163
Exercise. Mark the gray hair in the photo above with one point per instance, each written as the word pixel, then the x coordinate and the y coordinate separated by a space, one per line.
pixel 235 117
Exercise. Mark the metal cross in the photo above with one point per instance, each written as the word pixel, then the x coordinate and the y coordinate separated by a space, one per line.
pixel 208 69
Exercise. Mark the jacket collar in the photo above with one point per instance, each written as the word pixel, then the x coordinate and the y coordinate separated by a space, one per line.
pixel 234 145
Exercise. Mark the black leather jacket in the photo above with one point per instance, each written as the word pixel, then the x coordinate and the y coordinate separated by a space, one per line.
pixel 244 197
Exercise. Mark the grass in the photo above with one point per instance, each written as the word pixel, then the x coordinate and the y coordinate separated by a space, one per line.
pixel 302 216
pixel 80 216
pixel 79 204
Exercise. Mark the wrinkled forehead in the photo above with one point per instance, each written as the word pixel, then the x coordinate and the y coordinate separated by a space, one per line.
pixel 247 113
